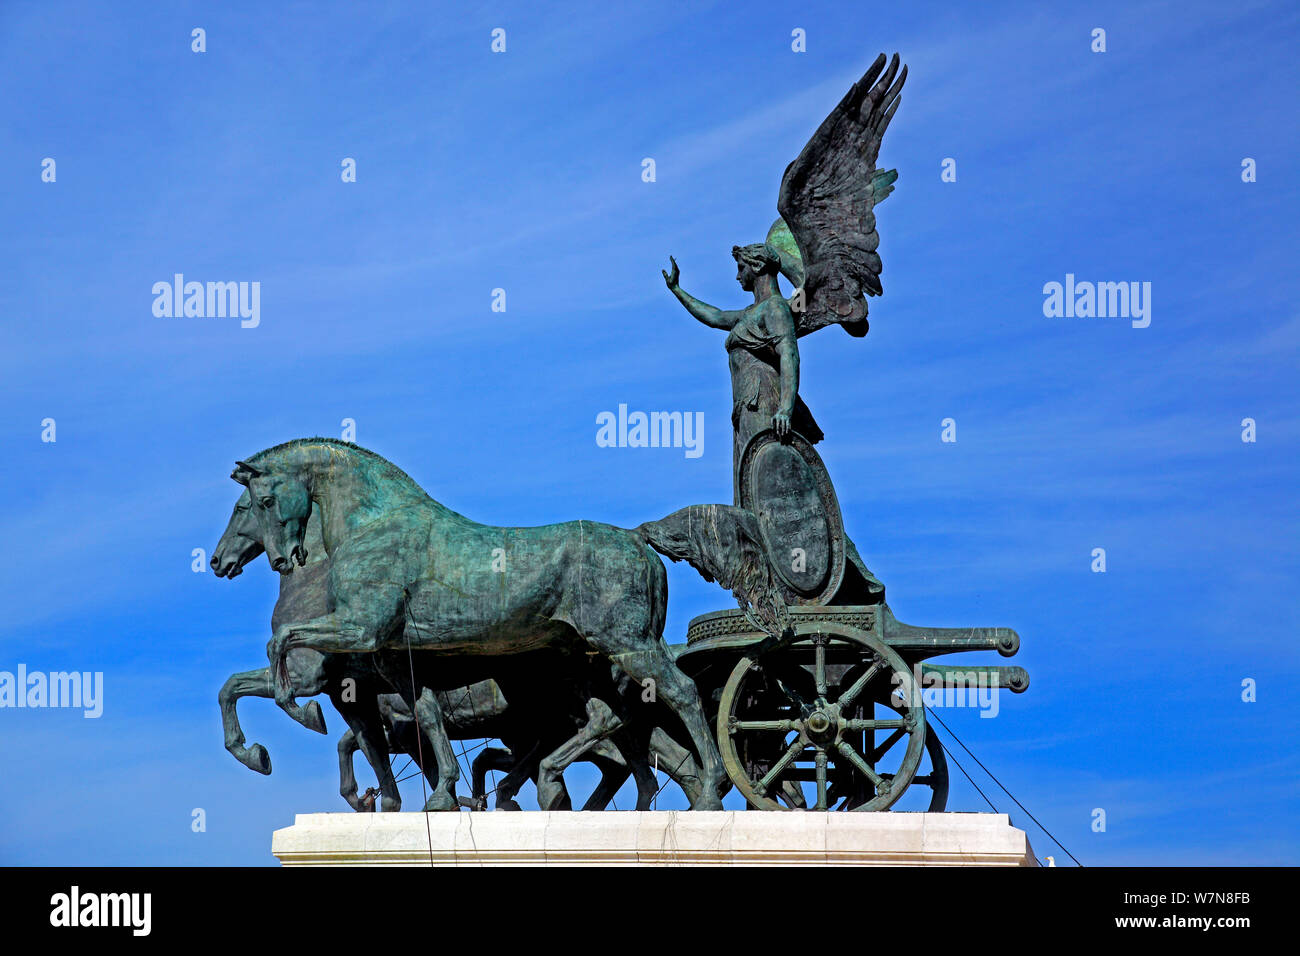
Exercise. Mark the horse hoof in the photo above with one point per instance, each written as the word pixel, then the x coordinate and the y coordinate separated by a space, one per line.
pixel 706 803
pixel 549 797
pixel 440 801
pixel 313 718
pixel 258 759
pixel 508 805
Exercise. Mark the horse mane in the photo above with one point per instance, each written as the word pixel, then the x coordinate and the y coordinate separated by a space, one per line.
pixel 337 443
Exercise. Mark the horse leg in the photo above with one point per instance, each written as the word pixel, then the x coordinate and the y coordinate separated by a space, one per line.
pixel 246 684
pixel 407 736
pixel 492 758
pixel 601 722
pixel 617 759
pixel 307 675
pixel 367 729
pixel 676 761
pixel 652 662
pixel 521 771
pixel 613 774
pixel 326 634
pixel 403 735
pixel 428 715
pixel 647 787
pixel 347 772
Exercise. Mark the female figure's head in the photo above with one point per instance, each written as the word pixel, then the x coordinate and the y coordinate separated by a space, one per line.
pixel 754 261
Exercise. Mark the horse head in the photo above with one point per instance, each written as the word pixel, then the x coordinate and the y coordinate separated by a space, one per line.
pixel 281 503
pixel 240 543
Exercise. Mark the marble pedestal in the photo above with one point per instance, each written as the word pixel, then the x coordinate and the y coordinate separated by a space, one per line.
pixel 665 838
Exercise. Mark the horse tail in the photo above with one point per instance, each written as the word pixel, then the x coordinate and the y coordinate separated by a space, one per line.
pixel 656 576
pixel 657 588
pixel 724 544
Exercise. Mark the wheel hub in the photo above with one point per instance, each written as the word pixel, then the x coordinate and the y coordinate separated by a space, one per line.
pixel 820 725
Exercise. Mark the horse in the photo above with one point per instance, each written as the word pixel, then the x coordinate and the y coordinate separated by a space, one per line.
pixel 311 672
pixel 408 573
pixel 473 712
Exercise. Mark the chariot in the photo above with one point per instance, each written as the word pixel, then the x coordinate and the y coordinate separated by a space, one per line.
pixel 830 714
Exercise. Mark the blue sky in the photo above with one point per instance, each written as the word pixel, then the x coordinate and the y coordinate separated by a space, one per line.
pixel 522 171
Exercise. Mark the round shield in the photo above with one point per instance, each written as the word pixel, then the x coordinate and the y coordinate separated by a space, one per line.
pixel 786 485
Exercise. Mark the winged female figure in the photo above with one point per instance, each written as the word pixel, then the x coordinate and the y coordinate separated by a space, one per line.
pixel 824 244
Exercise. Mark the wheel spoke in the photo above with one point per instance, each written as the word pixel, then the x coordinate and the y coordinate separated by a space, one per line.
pixel 901 723
pixel 786 725
pixel 855 758
pixel 859 685
pixel 778 768
pixel 821 778
pixel 819 667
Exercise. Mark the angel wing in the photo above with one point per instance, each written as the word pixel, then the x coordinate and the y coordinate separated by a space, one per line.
pixel 826 236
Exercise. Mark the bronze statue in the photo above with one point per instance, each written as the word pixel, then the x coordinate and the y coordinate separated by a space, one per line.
pixel 805 697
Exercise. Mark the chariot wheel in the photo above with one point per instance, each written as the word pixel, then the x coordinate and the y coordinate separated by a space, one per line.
pixel 937 778
pixel 816 722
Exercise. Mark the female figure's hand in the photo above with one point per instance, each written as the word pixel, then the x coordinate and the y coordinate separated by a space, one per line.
pixel 671 278
pixel 781 424
pixel 709 315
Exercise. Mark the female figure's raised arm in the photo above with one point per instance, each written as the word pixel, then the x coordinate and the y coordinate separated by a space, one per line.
pixel 708 314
